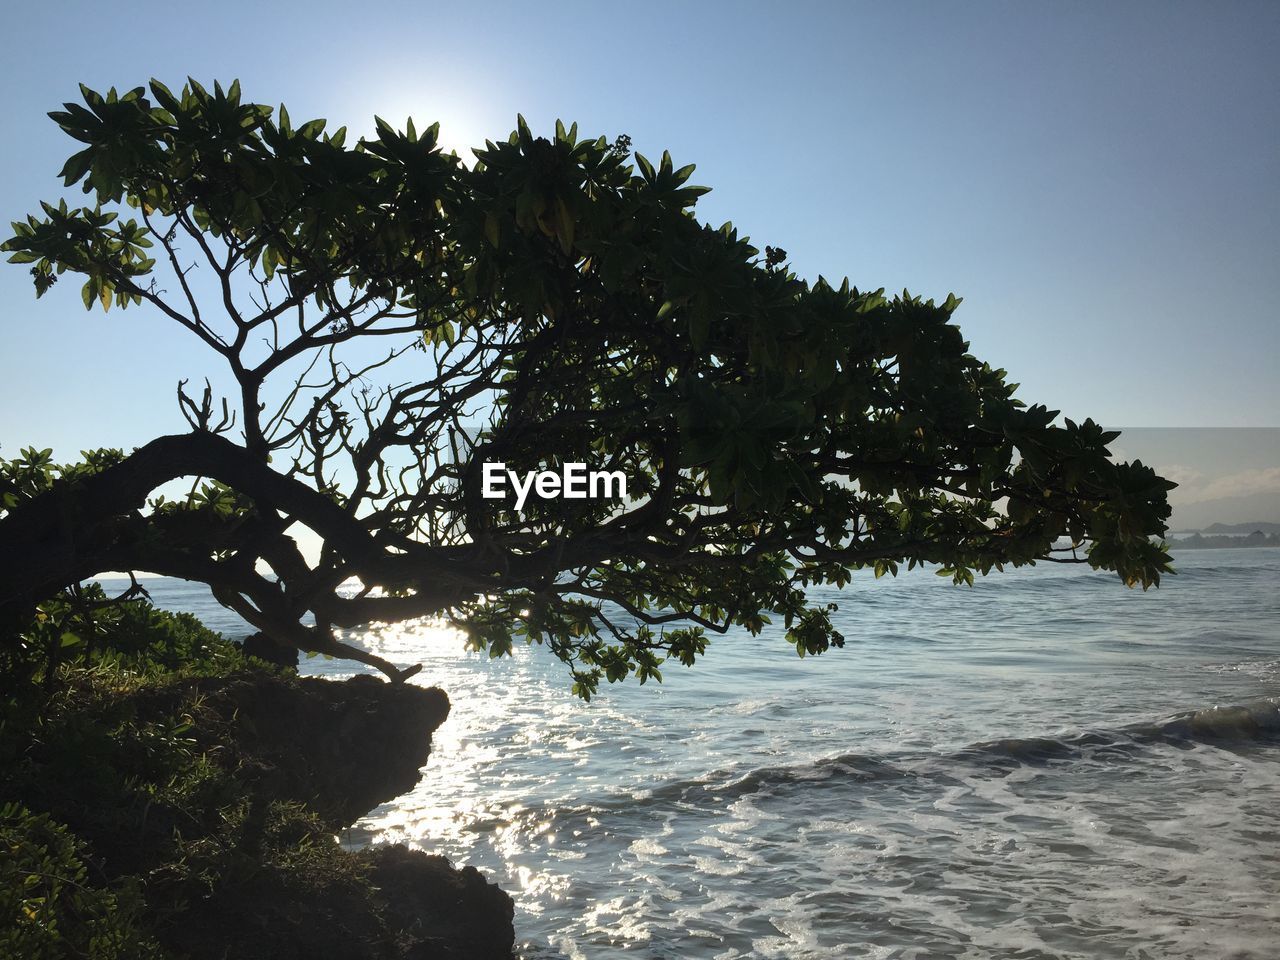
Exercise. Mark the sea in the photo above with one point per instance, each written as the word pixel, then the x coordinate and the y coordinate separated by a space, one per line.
pixel 1044 765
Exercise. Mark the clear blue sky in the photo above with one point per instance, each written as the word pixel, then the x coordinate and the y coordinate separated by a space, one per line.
pixel 1099 181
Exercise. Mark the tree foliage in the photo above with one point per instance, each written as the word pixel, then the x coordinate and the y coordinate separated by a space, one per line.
pixel 394 318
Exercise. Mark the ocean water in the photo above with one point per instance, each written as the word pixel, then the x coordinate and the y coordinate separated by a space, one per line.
pixel 1047 765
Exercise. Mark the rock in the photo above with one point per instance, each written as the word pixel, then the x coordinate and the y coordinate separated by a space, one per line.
pixel 264 648
pixel 340 749
pixel 442 913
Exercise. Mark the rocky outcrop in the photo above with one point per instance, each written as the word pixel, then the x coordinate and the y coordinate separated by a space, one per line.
pixel 444 913
pixel 340 747
pixel 218 797
pixel 386 903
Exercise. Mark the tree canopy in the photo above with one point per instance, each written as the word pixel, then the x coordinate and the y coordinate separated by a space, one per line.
pixel 393 318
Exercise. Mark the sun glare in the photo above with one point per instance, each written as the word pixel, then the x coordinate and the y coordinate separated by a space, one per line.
pixel 466 119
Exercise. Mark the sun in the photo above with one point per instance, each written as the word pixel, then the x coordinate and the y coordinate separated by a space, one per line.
pixel 466 116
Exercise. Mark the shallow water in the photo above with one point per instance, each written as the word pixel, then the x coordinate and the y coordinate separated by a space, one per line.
pixel 1031 768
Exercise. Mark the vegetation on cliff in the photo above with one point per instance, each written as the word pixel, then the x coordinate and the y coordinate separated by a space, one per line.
pixel 161 796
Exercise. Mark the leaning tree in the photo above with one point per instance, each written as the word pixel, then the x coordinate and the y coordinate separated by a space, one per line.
pixel 392 319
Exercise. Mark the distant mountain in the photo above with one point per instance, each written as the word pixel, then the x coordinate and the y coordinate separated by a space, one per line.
pixel 1198 542
pixel 1241 528
pixel 1241 511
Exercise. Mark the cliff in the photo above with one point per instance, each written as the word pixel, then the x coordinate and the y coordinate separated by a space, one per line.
pixel 212 801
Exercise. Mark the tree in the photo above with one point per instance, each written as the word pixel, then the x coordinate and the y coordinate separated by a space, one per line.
pixel 393 320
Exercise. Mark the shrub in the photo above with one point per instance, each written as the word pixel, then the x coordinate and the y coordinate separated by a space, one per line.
pixel 49 908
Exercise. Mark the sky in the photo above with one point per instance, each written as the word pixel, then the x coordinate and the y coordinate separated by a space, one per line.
pixel 1099 181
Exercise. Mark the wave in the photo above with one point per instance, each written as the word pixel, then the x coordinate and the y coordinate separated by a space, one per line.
pixel 1254 722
